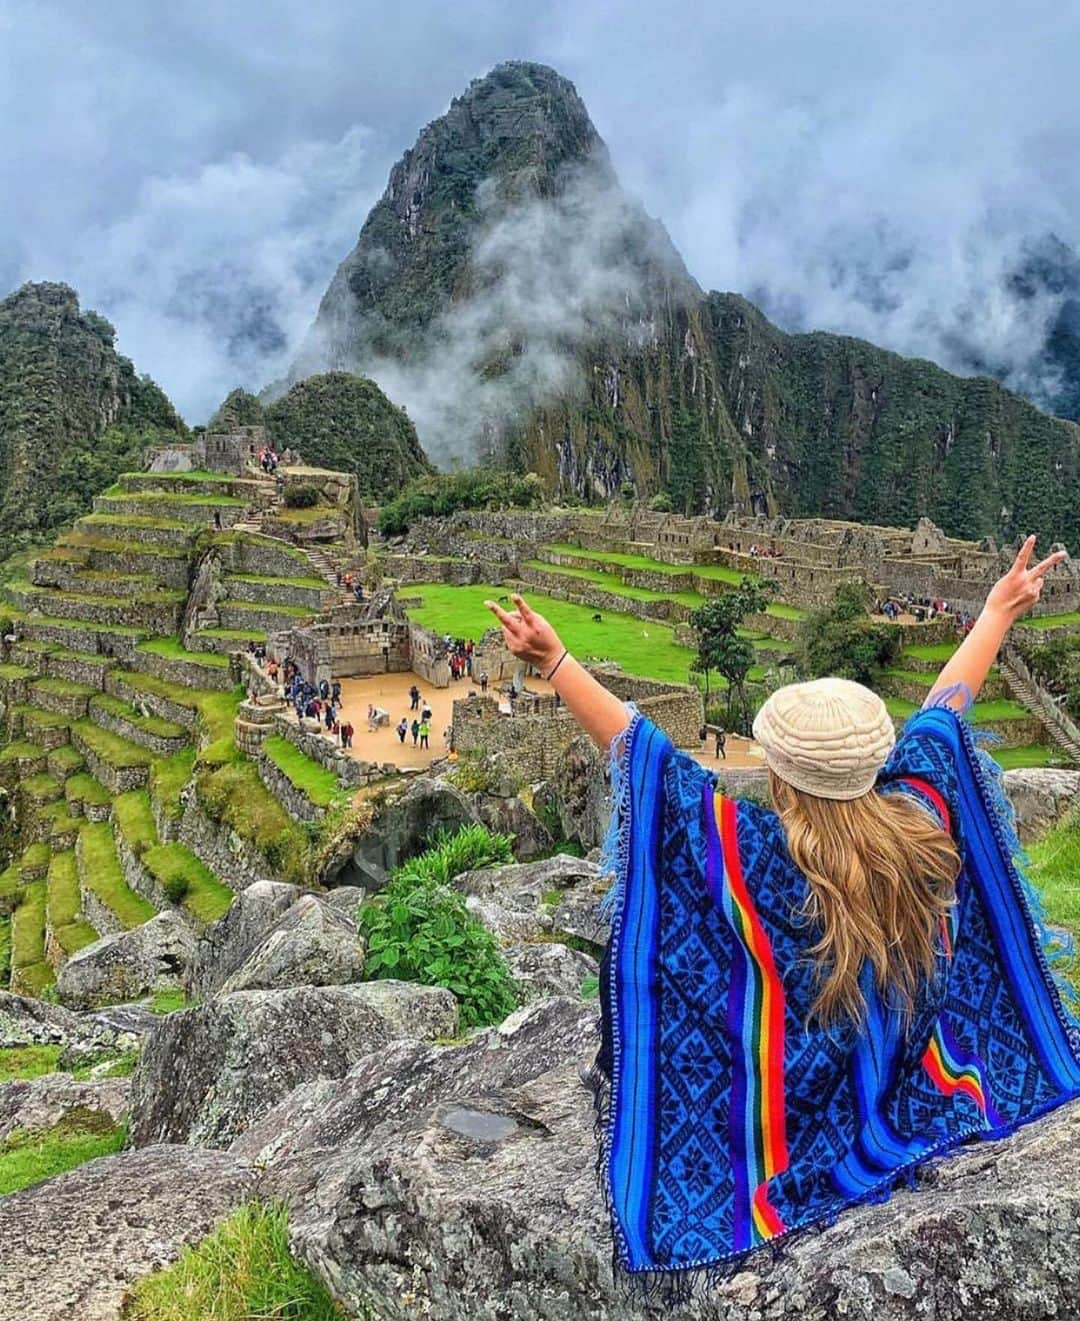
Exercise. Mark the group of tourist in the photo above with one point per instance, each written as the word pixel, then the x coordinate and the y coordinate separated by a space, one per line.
pixel 459 656
pixel 923 609
pixel 352 585
pixel 765 552
pixel 268 459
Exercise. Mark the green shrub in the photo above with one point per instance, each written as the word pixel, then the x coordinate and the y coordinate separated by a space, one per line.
pixel 301 497
pixel 419 929
pixel 470 488
pixel 176 888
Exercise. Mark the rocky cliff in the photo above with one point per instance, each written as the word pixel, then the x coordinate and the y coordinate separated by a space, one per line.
pixel 73 411
pixel 508 292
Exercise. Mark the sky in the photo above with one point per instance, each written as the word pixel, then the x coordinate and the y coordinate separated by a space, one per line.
pixel 198 171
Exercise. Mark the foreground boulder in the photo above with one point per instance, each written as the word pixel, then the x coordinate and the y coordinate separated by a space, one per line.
pixel 73 1244
pixel 209 1072
pixel 32 1104
pixel 227 943
pixel 131 964
pixel 459 1183
pixel 28 1022
pixel 544 968
pixel 311 944
pixel 1040 797
pixel 508 815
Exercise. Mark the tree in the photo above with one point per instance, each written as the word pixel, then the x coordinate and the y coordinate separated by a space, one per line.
pixel 720 647
pixel 842 640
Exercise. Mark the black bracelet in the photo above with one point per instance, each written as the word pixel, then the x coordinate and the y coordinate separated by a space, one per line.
pixel 556 665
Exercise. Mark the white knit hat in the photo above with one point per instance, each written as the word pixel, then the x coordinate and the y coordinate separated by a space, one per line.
pixel 828 737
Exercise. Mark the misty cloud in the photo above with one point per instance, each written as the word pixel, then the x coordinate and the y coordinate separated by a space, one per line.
pixel 199 172
pixel 547 273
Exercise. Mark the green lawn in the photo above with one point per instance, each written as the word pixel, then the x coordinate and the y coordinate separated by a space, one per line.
pixel 168 776
pixel 611 582
pixel 28 1158
pixel 304 773
pixel 719 572
pixel 83 788
pixel 63 902
pixel 115 751
pixel 135 820
pixel 1035 754
pixel 319 583
pixel 1054 867
pixel 204 896
pixel 644 648
pixel 938 651
pixel 191 475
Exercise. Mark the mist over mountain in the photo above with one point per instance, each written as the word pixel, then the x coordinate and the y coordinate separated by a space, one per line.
pixel 510 296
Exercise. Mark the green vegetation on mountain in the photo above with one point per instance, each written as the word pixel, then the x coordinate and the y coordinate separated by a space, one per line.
pixel 439 494
pixel 239 408
pixel 618 369
pixel 73 412
pixel 345 422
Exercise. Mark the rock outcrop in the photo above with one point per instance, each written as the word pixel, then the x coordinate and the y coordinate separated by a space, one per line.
pixel 226 944
pixel 541 969
pixel 148 958
pixel 84 1237
pixel 29 1105
pixel 311 944
pixel 555 895
pixel 460 1183
pixel 209 1072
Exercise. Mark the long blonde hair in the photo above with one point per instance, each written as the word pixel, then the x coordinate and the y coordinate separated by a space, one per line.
pixel 880 878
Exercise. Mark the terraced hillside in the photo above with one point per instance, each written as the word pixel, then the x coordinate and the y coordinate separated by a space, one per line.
pixel 110 717
pixel 644 604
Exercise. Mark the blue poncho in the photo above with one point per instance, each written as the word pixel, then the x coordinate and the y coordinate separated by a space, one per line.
pixel 729 1124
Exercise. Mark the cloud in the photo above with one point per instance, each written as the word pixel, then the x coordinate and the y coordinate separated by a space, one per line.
pixel 546 274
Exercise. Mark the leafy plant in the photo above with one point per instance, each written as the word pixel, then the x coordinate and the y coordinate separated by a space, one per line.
pixel 176 888
pixel 717 624
pixel 419 929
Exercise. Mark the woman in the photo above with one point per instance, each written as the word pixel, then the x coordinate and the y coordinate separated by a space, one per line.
pixel 800 1005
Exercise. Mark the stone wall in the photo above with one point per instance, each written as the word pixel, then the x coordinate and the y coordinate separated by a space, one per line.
pixel 248 552
pixel 350 771
pixel 234 861
pixel 220 678
pixel 346 646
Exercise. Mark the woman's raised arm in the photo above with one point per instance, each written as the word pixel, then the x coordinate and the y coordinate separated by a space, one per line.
pixel 531 638
pixel 1011 596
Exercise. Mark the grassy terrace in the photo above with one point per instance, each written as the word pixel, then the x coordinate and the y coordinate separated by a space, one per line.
pixel 718 571
pixel 102 873
pixel 136 520
pixel 30 969
pixel 287 611
pixel 172 497
pixel 63 903
pixel 154 596
pixel 204 895
pixel 1071 620
pixel 121 710
pixel 168 777
pixel 191 475
pixel 237 634
pixel 275 582
pixel 172 649
pixel 83 788
pixel 305 774
pixel 78 539
pixel 111 748
pixel 979 713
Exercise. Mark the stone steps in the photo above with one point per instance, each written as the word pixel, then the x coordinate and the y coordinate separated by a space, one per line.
pixel 1025 693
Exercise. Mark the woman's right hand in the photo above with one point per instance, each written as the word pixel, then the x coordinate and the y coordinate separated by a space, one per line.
pixel 1013 595
pixel 527 634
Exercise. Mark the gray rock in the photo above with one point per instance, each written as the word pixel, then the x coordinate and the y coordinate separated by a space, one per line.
pixel 317 1121
pixel 148 958
pixel 35 1103
pixel 125 1022
pixel 208 1072
pixel 1040 797
pixel 522 901
pixel 84 1237
pixel 400 830
pixel 28 1022
pixel 543 969
pixel 310 945
pixel 345 898
pixel 482 1205
pixel 510 816
pixel 226 944
pixel 580 793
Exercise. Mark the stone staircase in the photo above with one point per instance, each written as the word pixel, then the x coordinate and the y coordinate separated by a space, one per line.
pixel 1061 731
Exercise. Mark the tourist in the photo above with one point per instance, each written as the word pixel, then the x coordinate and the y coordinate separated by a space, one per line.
pixel 337 577
pixel 841 946
pixel 424 731
pixel 347 733
pixel 414 697
pixel 330 715
pixel 335 692
pixel 415 729
pixel 402 728
pixel 324 689
pixel 721 744
pixel 484 682
pixel 425 714
pixel 371 718
pixel 217 520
